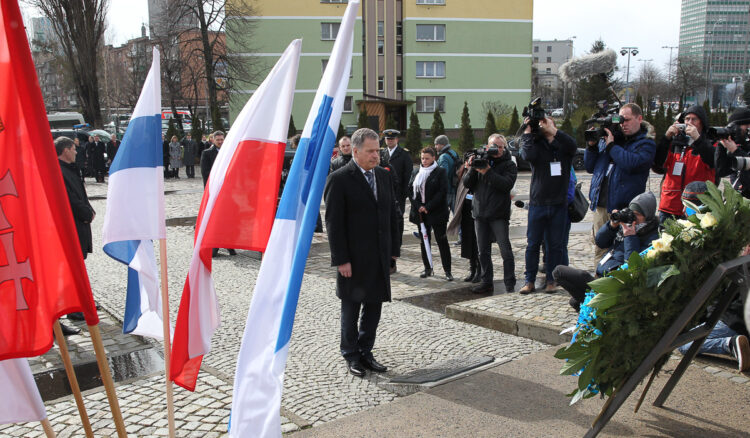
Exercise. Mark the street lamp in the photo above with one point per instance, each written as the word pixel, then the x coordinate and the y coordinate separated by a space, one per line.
pixel 628 51
pixel 709 84
pixel 669 74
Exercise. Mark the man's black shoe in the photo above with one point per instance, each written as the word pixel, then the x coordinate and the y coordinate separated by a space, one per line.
pixel 356 368
pixel 76 316
pixel 484 288
pixel 67 331
pixel 448 276
pixel 371 363
pixel 232 252
pixel 426 273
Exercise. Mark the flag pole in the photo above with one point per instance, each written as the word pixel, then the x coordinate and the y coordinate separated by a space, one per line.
pixel 109 386
pixel 165 324
pixel 48 428
pixel 63 345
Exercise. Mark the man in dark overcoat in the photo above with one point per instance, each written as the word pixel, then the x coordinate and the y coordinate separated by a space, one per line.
pixel 190 148
pixel 209 155
pixel 97 156
pixel 362 224
pixel 83 213
pixel 402 166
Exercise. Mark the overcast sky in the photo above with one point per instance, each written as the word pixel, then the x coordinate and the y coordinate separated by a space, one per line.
pixel 646 24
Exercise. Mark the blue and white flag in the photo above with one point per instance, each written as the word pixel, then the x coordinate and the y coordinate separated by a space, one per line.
pixel 259 377
pixel 135 208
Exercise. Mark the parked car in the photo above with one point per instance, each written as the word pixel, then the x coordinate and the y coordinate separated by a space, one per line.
pixel 515 150
pixel 557 112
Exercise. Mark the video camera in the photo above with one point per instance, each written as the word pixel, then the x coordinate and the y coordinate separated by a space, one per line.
pixel 535 113
pixel 481 156
pixel 607 117
pixel 625 215
pixel 732 130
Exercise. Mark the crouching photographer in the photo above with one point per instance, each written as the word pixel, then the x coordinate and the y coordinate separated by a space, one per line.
pixel 629 230
pixel 491 178
pixel 733 153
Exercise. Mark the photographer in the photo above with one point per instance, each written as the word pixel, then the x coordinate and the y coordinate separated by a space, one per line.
pixel 491 178
pixel 684 155
pixel 550 152
pixel 629 230
pixel 620 166
pixel 730 150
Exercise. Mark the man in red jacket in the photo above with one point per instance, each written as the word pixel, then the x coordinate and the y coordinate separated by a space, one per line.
pixel 684 155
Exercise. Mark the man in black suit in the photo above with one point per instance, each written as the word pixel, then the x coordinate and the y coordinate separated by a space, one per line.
pixel 400 163
pixel 362 225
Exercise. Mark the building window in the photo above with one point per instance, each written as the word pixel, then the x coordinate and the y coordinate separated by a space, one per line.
pixel 381 28
pixel 399 29
pixel 328 31
pixel 334 1
pixel 549 59
pixel 430 69
pixel 399 84
pixel 430 32
pixel 348 104
pixel 430 2
pixel 428 104
pixel 381 84
pixel 536 49
pixel 399 47
pixel 381 47
pixel 324 64
pixel 536 59
pixel 549 70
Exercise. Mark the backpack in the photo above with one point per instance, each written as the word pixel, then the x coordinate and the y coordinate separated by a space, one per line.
pixel 457 163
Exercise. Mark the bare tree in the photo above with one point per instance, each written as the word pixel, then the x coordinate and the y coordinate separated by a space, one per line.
pixel 650 82
pixel 689 76
pixel 79 25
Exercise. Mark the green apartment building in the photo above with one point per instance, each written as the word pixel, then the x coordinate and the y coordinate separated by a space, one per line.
pixel 414 55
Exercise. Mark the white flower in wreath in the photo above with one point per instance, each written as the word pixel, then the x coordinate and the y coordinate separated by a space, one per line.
pixel 664 244
pixel 708 220
pixel 686 224
pixel 651 253
pixel 690 234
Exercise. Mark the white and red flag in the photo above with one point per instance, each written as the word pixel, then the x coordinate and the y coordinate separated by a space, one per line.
pixel 237 209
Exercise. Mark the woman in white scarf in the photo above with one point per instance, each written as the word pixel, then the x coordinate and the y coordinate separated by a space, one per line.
pixel 429 205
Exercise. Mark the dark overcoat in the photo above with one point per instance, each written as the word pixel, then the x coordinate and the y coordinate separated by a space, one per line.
pixel 97 155
pixel 400 162
pixel 362 231
pixel 83 213
pixel 207 162
pixel 436 198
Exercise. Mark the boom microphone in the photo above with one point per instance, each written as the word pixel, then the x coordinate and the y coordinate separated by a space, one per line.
pixel 588 65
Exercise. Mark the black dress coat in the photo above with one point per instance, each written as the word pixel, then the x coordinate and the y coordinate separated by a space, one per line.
pixel 97 156
pixel 112 147
pixel 207 162
pixel 362 231
pixel 83 213
pixel 400 162
pixel 436 198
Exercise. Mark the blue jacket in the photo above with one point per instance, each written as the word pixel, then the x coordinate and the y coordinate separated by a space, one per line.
pixel 447 158
pixel 631 164
pixel 620 247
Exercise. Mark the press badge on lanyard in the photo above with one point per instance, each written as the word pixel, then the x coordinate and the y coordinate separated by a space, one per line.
pixel 555 168
pixel 678 165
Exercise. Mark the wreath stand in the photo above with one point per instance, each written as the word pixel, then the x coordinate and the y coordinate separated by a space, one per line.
pixel 738 271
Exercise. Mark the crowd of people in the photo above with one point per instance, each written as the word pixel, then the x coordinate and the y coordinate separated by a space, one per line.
pixel 478 189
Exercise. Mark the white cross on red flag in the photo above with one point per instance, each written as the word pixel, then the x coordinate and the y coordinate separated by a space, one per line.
pixel 42 275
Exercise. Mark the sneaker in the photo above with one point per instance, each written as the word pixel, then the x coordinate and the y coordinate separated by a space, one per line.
pixel 527 289
pixel 741 351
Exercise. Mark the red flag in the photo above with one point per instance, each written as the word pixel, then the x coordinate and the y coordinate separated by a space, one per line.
pixel 42 275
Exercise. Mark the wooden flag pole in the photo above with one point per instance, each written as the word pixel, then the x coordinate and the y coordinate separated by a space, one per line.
pixel 167 333
pixel 109 386
pixel 48 428
pixel 63 345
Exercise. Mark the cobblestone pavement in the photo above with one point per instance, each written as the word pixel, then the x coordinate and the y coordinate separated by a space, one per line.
pixel 317 387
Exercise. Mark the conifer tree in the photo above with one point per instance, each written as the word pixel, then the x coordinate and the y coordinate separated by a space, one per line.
pixel 362 119
pixel 341 133
pixel 466 134
pixel 489 126
pixel 515 123
pixel 567 127
pixel 414 134
pixel 437 124
pixel 292 129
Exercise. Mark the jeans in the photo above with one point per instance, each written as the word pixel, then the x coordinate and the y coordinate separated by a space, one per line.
pixel 546 225
pixel 357 343
pixel 566 238
pixel 442 240
pixel 717 341
pixel 499 228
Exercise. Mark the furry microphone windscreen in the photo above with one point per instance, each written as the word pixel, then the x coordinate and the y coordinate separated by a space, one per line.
pixel 588 65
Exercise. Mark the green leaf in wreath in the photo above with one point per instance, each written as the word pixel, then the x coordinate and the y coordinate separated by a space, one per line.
pixel 605 285
pixel 574 365
pixel 603 301
pixel 579 395
pixel 731 196
pixel 635 261
pixel 656 276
